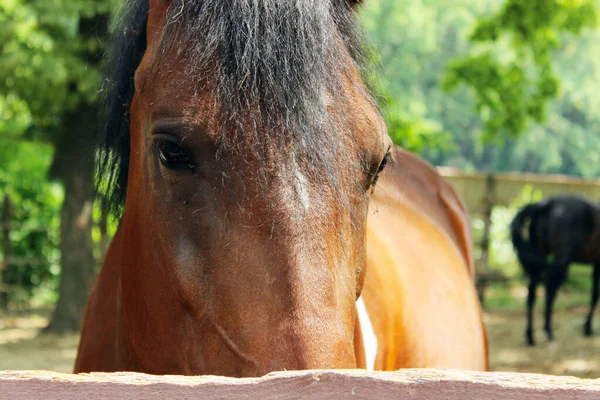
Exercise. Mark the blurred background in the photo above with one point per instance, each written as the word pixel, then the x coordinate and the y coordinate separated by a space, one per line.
pixel 502 95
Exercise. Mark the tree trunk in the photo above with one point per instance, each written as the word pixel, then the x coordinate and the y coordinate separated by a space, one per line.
pixel 73 165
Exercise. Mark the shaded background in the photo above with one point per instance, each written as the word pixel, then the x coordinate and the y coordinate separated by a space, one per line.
pixel 479 85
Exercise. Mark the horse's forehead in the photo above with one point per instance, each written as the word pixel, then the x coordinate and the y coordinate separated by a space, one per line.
pixel 171 87
pixel 157 15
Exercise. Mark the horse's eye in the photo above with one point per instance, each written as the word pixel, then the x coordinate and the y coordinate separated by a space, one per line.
pixel 382 166
pixel 173 156
pixel 384 163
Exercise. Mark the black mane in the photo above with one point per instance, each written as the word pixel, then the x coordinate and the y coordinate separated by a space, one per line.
pixel 276 61
pixel 126 52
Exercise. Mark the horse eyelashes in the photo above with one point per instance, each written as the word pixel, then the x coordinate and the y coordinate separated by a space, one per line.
pixel 382 166
pixel 384 163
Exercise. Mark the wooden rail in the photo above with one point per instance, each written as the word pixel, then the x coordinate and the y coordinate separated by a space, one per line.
pixel 349 384
pixel 473 187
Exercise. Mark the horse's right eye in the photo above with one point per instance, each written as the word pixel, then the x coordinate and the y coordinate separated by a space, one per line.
pixel 173 156
pixel 382 165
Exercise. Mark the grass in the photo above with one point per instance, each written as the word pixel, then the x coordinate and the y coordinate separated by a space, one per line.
pixel 576 292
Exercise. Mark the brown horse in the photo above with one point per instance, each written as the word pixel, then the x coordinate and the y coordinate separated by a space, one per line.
pixel 248 158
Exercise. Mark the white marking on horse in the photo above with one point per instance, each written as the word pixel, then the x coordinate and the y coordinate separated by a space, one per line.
pixel 302 190
pixel 368 334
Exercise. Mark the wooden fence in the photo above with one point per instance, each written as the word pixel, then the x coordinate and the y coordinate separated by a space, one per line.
pixel 347 384
pixel 479 190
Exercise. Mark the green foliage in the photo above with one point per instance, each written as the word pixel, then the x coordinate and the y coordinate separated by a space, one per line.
pixel 14 115
pixel 42 71
pixel 35 204
pixel 50 53
pixel 514 81
pixel 415 39
pixel 425 46
pixel 500 92
pixel 414 134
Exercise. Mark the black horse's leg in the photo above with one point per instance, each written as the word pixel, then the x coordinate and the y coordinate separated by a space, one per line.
pixel 554 281
pixel 531 296
pixel 595 294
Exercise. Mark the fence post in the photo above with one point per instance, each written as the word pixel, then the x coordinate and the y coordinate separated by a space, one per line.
pixel 6 250
pixel 483 273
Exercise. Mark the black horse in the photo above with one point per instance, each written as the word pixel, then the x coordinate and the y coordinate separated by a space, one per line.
pixel 562 230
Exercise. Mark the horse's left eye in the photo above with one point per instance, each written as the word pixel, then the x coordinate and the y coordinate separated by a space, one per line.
pixel 382 166
pixel 172 155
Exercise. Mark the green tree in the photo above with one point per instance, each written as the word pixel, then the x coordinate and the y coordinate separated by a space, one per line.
pixel 514 81
pixel 416 39
pixel 50 55
pixel 419 39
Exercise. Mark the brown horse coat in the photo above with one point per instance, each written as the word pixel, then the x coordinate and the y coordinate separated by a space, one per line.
pixel 419 291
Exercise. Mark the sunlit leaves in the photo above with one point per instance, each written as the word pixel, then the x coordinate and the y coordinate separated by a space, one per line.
pixel 14 115
pixel 415 39
pixel 35 205
pixel 511 92
pixel 40 57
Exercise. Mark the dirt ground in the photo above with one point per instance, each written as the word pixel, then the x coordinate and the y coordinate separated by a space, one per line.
pixel 570 354
pixel 22 348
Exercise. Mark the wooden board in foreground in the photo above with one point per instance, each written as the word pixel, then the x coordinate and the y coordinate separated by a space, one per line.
pixel 350 384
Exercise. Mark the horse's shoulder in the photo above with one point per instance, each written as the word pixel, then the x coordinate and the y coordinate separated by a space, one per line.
pixel 420 184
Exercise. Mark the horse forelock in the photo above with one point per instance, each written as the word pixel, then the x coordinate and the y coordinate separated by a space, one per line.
pixel 275 63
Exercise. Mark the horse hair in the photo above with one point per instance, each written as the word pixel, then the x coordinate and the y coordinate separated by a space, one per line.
pixel 277 61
